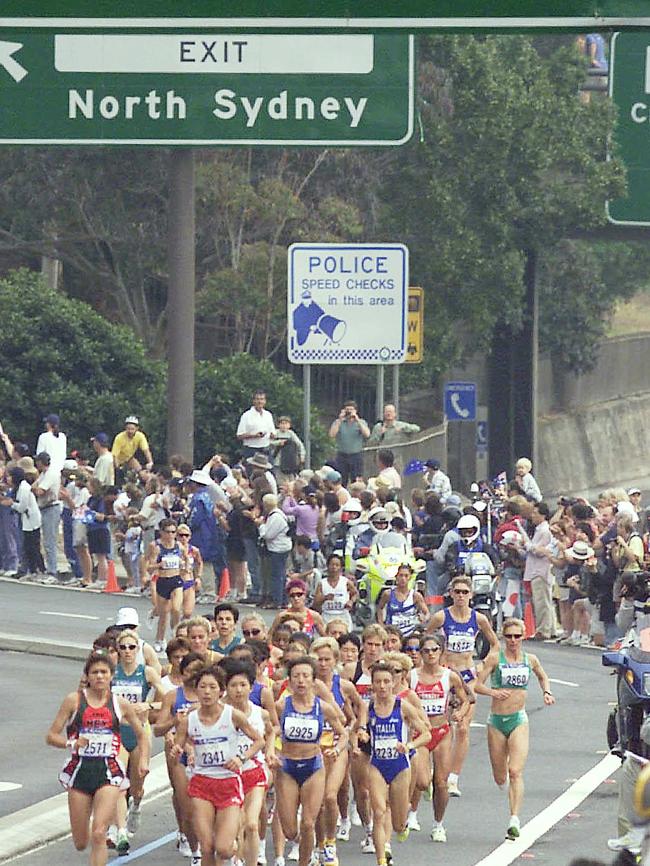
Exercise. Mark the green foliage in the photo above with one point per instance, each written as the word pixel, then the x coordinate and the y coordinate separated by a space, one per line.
pixel 224 390
pixel 59 355
pixel 508 159
pixel 579 285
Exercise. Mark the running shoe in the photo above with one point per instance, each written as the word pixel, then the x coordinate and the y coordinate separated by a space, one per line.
pixel 48 580
pixel 439 834
pixel 388 854
pixel 132 590
pixel 329 857
pixel 412 821
pixel 367 845
pixel 344 830
pixel 355 818
pixel 453 790
pixel 403 835
pixel 111 836
pixel 184 846
pixel 316 858
pixel 196 860
pixel 261 854
pixel 133 817
pixel 630 841
pixel 122 845
pixel 293 852
pixel 513 828
pixel 12 572
pixel 279 861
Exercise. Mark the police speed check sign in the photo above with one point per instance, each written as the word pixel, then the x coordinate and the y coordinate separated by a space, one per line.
pixel 347 303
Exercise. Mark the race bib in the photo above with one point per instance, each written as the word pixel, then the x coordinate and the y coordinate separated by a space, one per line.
pixel 304 730
pixel 385 749
pixel 100 745
pixel 460 643
pixel 434 706
pixel 130 692
pixel 211 757
pixel 170 560
pixel 512 675
pixel 336 605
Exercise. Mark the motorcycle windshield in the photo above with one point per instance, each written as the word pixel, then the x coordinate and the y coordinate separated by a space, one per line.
pixel 394 540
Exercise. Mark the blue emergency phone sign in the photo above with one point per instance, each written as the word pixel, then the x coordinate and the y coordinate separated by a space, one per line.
pixel 460 401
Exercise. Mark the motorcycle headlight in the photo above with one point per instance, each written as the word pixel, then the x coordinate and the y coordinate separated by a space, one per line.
pixel 646 684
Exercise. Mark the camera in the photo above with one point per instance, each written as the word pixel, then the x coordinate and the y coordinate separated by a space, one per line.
pixel 635 585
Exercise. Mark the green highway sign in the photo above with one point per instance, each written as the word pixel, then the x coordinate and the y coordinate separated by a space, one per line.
pixel 204 87
pixel 630 89
pixel 337 14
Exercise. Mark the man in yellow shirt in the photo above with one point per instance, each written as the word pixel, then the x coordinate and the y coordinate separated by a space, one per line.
pixel 128 443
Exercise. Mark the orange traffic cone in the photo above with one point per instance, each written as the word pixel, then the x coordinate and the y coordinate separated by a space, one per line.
pixel 529 621
pixel 111 584
pixel 224 585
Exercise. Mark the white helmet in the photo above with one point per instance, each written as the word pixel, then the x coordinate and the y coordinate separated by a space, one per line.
pixel 379 520
pixel 351 512
pixel 469 528
pixel 510 537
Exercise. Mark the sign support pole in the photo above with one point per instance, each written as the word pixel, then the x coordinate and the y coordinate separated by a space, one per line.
pixel 396 387
pixel 306 412
pixel 379 397
pixel 180 305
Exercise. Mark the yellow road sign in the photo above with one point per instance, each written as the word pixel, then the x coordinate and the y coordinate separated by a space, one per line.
pixel 415 326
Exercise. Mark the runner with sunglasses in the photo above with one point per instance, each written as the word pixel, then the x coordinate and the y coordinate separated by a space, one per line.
pixel 507 725
pixel 311 621
pixel 132 682
pixel 460 625
pixel 433 684
pixel 168 560
pixel 191 577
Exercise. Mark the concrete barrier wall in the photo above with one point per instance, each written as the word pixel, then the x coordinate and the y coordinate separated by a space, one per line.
pixel 598 446
pixel 429 444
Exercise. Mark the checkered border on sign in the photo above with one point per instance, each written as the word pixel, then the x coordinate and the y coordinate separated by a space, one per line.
pixel 372 355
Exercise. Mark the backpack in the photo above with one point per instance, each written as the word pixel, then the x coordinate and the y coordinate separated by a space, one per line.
pixel 289 457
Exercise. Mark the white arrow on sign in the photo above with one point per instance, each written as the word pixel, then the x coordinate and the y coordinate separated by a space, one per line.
pixel 7 50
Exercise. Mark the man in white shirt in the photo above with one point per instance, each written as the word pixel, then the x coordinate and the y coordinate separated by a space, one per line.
pixel 104 468
pixel 256 427
pixel 53 442
pixel 46 489
pixel 436 480
pixel 538 571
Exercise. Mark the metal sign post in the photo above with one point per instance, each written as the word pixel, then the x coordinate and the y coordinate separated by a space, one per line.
pixel 306 412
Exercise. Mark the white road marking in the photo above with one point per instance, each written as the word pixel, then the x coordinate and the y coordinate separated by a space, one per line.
pixel 9 786
pixel 564 683
pixel 71 615
pixel 509 851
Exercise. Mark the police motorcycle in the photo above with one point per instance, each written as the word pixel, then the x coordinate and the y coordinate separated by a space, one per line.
pixel 470 557
pixel 631 664
pixel 376 568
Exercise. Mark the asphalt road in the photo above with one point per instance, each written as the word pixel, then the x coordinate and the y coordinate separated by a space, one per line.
pixel 566 741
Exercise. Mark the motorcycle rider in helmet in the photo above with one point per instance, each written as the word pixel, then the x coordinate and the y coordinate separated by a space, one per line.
pixel 356 526
pixel 469 543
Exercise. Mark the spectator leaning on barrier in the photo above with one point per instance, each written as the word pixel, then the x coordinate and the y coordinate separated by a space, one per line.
pixel 256 427
pixel 349 432
pixel 390 431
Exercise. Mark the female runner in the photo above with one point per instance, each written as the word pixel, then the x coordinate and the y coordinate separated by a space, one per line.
pixel 94 777
pixel 325 651
pixel 191 577
pixel 372 643
pixel 311 621
pixel 167 559
pixel 240 679
pixel 335 594
pixel 210 736
pixel 300 781
pixel 389 719
pixel 174 705
pixel 461 625
pixel 507 724
pixel 433 684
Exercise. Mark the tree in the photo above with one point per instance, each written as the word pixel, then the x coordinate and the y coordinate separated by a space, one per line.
pixel 59 355
pixel 508 160
pixel 224 390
